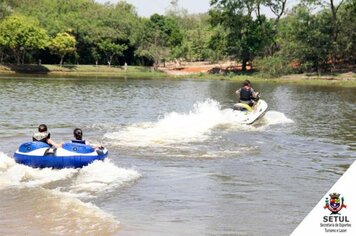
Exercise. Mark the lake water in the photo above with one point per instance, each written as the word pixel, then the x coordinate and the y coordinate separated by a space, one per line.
pixel 179 163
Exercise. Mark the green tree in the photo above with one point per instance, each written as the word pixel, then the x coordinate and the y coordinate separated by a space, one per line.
pixel 111 49
pixel 247 36
pixel 277 7
pixel 62 44
pixel 88 21
pixel 5 9
pixel 21 34
pixel 218 44
pixel 347 35
pixel 160 36
pixel 331 9
pixel 96 55
pixel 304 39
pixel 196 33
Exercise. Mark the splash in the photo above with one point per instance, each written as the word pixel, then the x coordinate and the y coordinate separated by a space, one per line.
pixel 101 177
pixel 194 126
pixel 13 174
pixel 87 182
pixel 275 117
pixel 56 196
pixel 173 127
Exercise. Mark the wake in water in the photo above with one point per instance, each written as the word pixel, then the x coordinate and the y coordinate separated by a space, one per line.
pixel 63 192
pixel 15 175
pixel 101 177
pixel 87 182
pixel 194 126
pixel 274 118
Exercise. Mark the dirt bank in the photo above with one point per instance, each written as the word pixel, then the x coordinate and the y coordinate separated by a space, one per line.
pixel 199 68
pixel 189 68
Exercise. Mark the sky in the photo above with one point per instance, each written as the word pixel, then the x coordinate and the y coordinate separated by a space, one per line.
pixel 149 7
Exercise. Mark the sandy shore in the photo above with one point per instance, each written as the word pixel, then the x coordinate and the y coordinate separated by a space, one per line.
pixel 189 68
pixel 194 68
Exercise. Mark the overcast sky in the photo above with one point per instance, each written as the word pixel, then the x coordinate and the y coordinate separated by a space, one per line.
pixel 149 7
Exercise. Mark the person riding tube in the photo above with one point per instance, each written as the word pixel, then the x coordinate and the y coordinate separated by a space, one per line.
pixel 44 136
pixel 78 138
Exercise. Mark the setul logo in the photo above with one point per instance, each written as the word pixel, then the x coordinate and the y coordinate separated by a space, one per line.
pixel 335 222
pixel 334 204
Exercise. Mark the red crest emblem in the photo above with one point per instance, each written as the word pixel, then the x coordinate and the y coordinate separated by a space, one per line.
pixel 334 204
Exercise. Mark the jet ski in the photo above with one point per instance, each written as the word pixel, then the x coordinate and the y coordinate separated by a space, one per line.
pixel 70 155
pixel 247 114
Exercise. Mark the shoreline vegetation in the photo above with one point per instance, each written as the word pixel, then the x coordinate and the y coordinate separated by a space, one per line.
pixel 298 40
pixel 79 70
pixel 193 70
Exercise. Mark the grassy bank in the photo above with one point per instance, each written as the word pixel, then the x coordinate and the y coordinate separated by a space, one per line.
pixel 82 70
pixel 345 79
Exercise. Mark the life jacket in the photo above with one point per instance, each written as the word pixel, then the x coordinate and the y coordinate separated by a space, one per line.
pixel 41 137
pixel 245 94
pixel 79 141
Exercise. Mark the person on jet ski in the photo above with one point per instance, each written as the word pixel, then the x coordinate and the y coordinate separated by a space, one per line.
pixel 43 136
pixel 78 138
pixel 247 94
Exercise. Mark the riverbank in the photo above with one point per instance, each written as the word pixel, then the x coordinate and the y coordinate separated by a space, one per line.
pixel 81 70
pixel 198 70
pixel 229 70
pixel 232 70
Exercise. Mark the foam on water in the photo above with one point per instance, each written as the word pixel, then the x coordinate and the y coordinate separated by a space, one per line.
pixel 64 190
pixel 13 174
pixel 194 126
pixel 101 176
pixel 275 117
pixel 174 127
pixel 95 178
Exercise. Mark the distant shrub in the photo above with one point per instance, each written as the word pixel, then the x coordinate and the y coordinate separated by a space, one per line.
pixel 274 66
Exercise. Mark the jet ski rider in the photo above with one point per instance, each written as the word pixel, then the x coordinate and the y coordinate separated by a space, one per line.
pixel 43 136
pixel 247 94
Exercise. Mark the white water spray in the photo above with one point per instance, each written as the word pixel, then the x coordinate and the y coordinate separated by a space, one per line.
pixel 65 202
pixel 173 128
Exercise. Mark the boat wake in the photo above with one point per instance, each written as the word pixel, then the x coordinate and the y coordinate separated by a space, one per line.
pixel 67 192
pixel 193 126
pixel 275 118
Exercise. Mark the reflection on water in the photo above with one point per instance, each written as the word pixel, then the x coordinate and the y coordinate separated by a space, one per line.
pixel 179 163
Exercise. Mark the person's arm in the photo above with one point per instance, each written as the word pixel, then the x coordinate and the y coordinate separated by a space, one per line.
pixel 50 141
pixel 254 94
pixel 93 145
pixel 238 92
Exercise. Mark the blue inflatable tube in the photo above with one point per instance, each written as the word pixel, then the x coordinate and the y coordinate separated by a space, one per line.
pixel 70 155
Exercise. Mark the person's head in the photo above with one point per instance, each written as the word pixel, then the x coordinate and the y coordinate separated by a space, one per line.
pixel 247 83
pixel 78 134
pixel 42 128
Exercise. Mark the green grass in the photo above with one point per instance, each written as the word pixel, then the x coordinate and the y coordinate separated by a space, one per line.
pixel 326 80
pixel 78 70
pixel 344 80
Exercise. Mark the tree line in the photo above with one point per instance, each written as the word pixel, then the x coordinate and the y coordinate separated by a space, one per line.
pixel 313 36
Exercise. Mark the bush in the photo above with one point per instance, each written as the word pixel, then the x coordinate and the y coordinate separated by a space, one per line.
pixel 274 66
